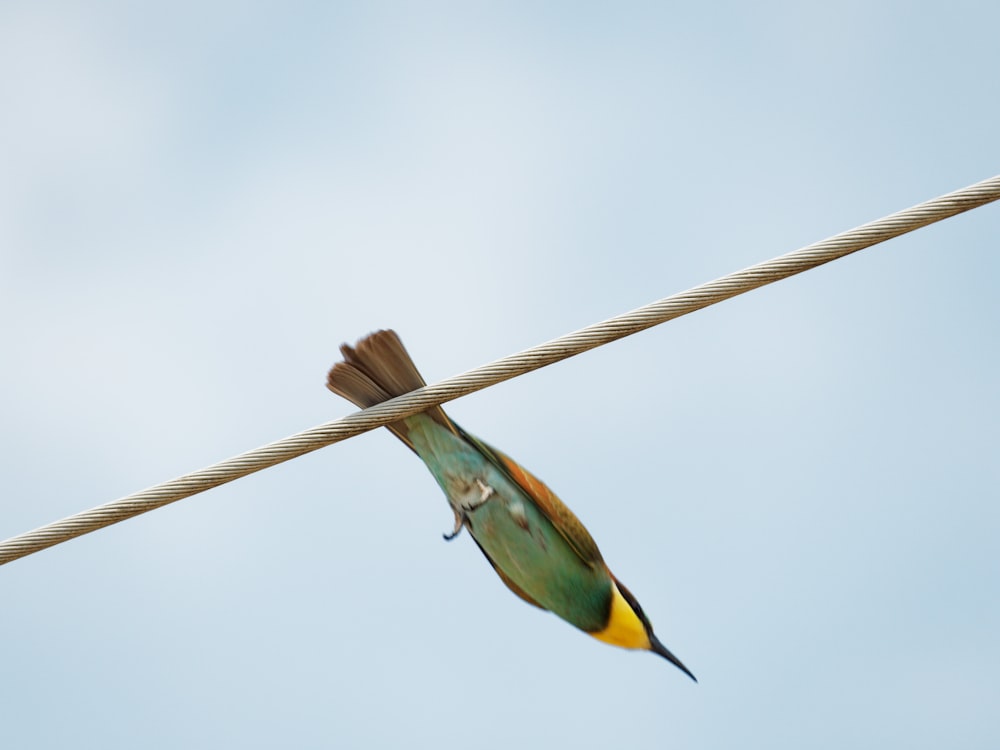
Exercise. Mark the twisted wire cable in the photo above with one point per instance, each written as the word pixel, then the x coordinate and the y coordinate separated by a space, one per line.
pixel 508 367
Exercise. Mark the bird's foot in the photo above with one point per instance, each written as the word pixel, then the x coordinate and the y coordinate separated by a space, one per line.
pixel 459 524
pixel 485 491
pixel 462 509
pixel 470 501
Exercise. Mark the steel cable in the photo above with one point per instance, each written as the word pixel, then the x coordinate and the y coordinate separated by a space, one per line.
pixel 508 367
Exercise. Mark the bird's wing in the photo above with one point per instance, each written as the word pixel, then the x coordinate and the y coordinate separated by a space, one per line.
pixel 562 518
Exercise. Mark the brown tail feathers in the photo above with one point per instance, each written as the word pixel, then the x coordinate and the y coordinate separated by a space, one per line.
pixel 376 369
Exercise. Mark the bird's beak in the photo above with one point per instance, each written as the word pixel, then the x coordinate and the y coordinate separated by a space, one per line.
pixel 658 648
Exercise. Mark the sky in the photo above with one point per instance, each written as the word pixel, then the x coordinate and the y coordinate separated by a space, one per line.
pixel 200 202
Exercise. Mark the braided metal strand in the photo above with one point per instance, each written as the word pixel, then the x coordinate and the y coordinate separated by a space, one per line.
pixel 503 369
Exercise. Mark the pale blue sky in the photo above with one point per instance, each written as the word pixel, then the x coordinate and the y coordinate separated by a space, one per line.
pixel 198 203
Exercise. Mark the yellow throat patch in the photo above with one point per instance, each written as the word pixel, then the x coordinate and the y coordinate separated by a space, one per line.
pixel 624 629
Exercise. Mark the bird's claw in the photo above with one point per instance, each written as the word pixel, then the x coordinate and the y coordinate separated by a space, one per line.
pixel 462 510
pixel 459 523
pixel 485 491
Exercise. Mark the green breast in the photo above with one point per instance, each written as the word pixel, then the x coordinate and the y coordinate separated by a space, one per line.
pixel 525 545
pixel 512 530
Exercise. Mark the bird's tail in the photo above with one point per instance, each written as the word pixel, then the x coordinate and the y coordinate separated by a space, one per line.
pixel 376 369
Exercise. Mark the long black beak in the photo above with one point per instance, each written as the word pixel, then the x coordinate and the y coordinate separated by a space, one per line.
pixel 658 648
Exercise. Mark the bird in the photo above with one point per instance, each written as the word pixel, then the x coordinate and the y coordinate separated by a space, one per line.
pixel 534 542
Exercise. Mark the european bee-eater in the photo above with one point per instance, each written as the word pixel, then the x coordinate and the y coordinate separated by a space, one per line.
pixel 534 542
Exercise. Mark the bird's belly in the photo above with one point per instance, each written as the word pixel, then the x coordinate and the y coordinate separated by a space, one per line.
pixel 527 547
pixel 518 538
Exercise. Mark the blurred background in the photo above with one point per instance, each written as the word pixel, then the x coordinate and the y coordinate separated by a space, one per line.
pixel 200 202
